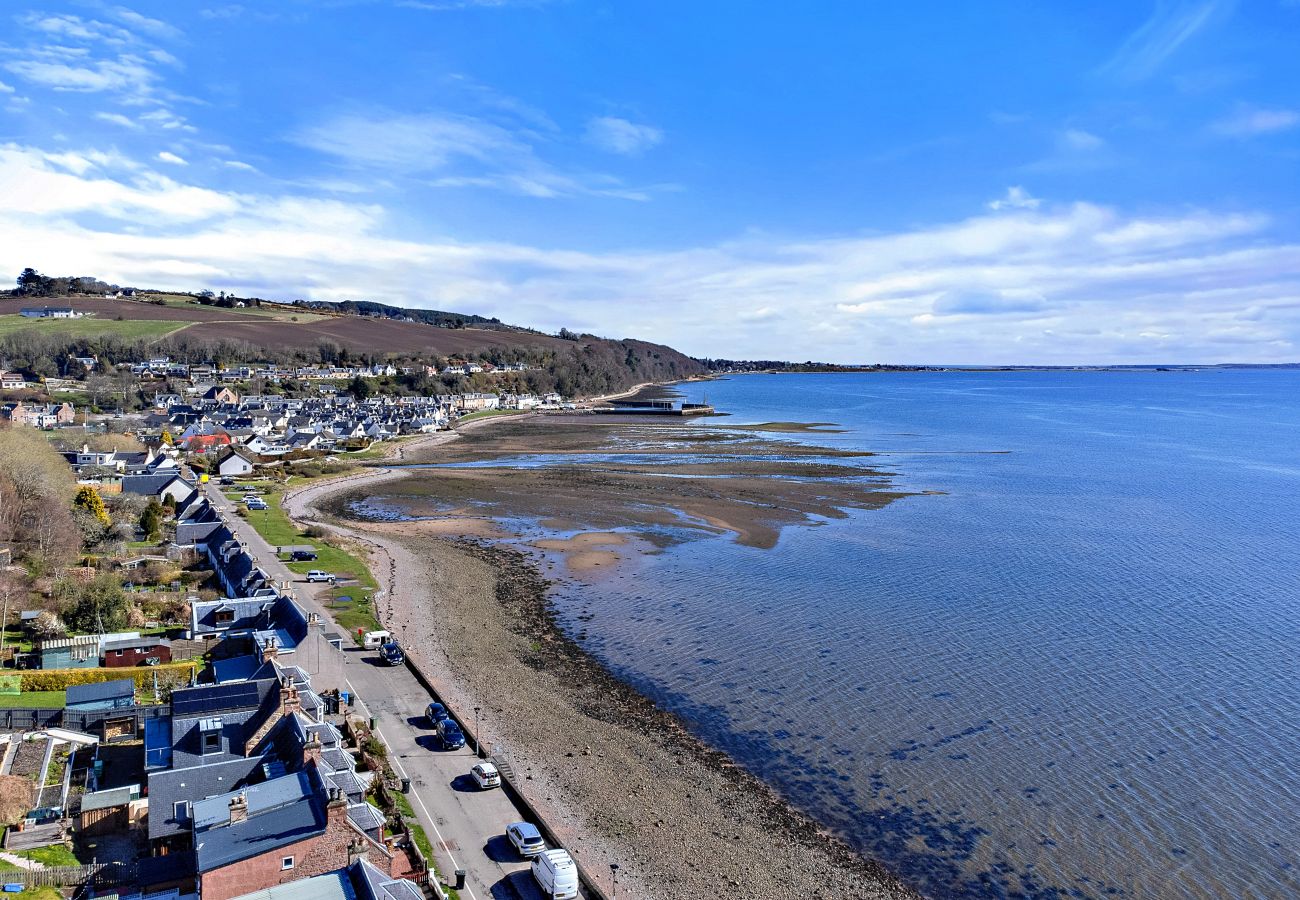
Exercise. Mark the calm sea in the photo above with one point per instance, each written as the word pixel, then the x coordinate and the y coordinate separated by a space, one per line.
pixel 1069 670
pixel 1071 673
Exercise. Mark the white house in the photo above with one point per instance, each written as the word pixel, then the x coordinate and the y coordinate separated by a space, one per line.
pixel 235 464
pixel 11 381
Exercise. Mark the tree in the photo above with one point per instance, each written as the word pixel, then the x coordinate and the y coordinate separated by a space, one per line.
pixel 101 607
pixel 33 284
pixel 167 438
pixel 48 625
pixel 88 499
pixel 360 388
pixel 151 520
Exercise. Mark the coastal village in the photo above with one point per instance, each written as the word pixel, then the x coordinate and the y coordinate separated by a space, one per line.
pixel 184 694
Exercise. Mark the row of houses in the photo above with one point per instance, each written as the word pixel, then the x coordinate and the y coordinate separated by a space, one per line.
pixel 38 415
pixel 164 367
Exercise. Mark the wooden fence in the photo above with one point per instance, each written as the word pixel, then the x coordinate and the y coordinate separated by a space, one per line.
pixel 96 874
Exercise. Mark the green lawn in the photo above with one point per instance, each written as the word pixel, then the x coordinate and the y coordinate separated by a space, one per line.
pixel 57 855
pixel 34 699
pixel 277 529
pixel 487 413
pixel 150 330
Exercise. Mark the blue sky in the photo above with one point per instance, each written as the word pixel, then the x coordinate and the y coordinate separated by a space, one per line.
pixel 999 182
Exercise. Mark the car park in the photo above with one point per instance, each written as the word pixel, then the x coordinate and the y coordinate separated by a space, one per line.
pixel 450 735
pixel 525 837
pixel 435 712
pixel 316 575
pixel 556 874
pixel 485 775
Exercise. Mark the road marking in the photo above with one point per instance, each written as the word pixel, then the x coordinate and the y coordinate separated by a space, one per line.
pixel 401 770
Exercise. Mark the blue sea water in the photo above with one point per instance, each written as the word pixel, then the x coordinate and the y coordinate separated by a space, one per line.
pixel 1070 671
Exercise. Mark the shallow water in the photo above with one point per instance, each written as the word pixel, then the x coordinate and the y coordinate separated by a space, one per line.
pixel 1070 673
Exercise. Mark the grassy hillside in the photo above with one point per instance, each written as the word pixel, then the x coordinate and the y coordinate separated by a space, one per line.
pixel 127 330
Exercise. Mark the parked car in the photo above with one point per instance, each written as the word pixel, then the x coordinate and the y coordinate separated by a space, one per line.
pixel 436 712
pixel 227 480
pixel 302 555
pixel 391 653
pixel 485 775
pixel 316 575
pixel 555 873
pixel 526 838
pixel 373 640
pixel 255 503
pixel 450 735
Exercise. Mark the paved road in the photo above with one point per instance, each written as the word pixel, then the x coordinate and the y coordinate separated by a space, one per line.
pixel 467 826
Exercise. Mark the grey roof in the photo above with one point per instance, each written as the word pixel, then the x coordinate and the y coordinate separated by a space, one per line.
pixel 365 816
pixel 130 643
pixel 330 886
pixel 281 812
pixel 193 783
pixel 110 693
pixel 118 796
pixel 378 885
pixel 151 485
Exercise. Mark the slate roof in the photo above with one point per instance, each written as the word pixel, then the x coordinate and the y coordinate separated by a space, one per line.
pixel 194 783
pixel 330 886
pixel 365 816
pixel 378 885
pixel 281 811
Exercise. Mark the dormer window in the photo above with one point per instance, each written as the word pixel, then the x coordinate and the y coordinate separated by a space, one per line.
pixel 210 735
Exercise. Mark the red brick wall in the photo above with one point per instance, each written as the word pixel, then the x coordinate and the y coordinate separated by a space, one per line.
pixel 314 856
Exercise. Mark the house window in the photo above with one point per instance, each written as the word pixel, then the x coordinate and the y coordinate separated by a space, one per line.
pixel 225 616
pixel 181 810
pixel 211 741
pixel 286 863
pixel 117 652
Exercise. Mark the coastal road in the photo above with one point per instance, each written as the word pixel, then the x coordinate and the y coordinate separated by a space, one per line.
pixel 467 826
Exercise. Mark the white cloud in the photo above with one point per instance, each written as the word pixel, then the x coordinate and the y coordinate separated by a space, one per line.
pixel 1076 139
pixel 1249 122
pixel 152 27
pixel 240 165
pixel 172 159
pixel 622 136
pixel 1171 25
pixel 5 89
pixel 1016 197
pixel 117 119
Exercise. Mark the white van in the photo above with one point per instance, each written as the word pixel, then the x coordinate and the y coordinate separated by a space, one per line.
pixel 373 640
pixel 556 874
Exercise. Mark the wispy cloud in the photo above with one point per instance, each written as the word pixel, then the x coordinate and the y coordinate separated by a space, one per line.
pixel 617 135
pixel 1253 121
pixel 172 159
pixel 1172 24
pixel 449 150
pixel 1016 197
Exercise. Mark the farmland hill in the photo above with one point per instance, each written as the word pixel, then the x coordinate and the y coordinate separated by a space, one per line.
pixel 196 328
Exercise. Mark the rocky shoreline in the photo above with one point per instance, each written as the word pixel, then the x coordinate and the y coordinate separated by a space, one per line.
pixel 620 780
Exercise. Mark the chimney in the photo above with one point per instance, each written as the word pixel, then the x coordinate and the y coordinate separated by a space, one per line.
pixel 289 701
pixel 311 751
pixel 357 851
pixel 269 652
pixel 238 809
pixel 336 811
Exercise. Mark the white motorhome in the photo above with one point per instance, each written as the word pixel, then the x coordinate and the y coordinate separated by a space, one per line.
pixel 373 640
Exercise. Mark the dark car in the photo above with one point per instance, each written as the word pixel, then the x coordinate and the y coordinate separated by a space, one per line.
pixel 436 713
pixel 302 555
pixel 392 654
pixel 450 735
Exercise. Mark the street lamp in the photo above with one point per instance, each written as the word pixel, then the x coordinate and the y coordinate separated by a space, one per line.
pixel 613 870
pixel 477 743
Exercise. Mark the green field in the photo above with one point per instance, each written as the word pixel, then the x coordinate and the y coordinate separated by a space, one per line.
pixel 131 329
pixel 35 699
